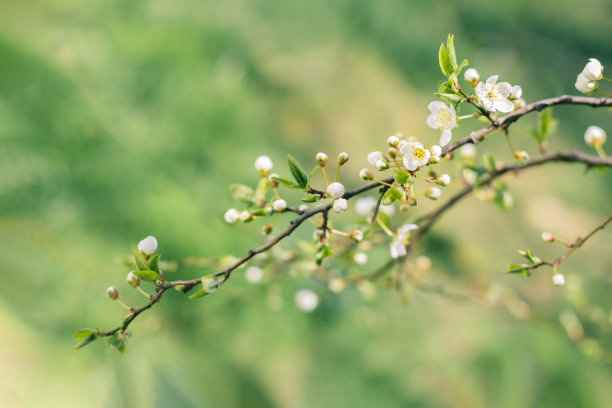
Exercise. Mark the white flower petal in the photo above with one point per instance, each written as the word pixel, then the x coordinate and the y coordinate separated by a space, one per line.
pixel 445 137
pixel 504 106
pixel 435 106
pixel 492 79
pixel 505 89
pixel 432 121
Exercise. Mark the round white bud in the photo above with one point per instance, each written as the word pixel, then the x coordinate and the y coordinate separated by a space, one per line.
pixel 357 235
pixel 471 76
pixel 593 70
pixel 306 300
pixel 340 205
pixel 132 279
pixel 263 164
pixel 112 292
pixel 374 157
pixel 321 159
pixel 468 151
pixel 245 216
pixel 232 215
pixel 343 158
pixel 366 175
pixel 519 103
pixel 393 141
pixel 516 92
pixel 271 180
pixel 253 274
pixel 279 205
pixel 381 164
pixel 335 190
pixel 547 237
pixel 360 258
pixel 558 279
pixel 443 180
pixel 594 136
pixel 433 193
pixel 148 245
pixel 584 85
pixel 435 150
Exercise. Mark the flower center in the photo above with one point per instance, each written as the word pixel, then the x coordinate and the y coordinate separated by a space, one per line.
pixel 443 117
pixel 417 154
pixel 495 93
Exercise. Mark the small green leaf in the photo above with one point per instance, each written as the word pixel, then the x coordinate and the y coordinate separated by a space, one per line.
pixel 517 269
pixel 527 255
pixel 443 60
pixel 262 189
pixel 140 264
pixel 83 333
pixel 118 341
pixel 452 56
pixel 400 176
pixel 392 194
pixel 460 67
pixel 297 171
pixel 447 97
pixel 147 275
pixel 241 193
pixel 210 284
pixel 323 252
pixel 287 183
pixel 153 263
pixel 86 340
pixel 309 199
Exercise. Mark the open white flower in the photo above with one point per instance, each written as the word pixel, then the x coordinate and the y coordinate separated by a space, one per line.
pixel 148 245
pixel 444 118
pixel 494 95
pixel 584 85
pixel 415 155
pixel 593 70
pixel 398 245
pixel 594 135
pixel 340 205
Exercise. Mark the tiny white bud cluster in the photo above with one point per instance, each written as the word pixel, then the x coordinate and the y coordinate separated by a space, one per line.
pixel 112 292
pixel 471 76
pixel 393 141
pixel 586 81
pixel 468 151
pixel 366 175
pixel 148 245
pixel 374 157
pixel 381 164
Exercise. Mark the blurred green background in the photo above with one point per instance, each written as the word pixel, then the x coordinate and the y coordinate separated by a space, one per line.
pixel 122 119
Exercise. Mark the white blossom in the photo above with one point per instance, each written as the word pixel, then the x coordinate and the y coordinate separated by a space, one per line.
pixel 584 85
pixel 435 150
pixel 558 279
pixel 594 136
pixel 263 164
pixel 415 155
pixel 340 205
pixel 148 245
pixel 374 157
pixel 335 190
pixel 253 274
pixel 279 205
pixel 516 92
pixel 306 300
pixel 494 95
pixel 393 141
pixel 398 246
pixel 593 70
pixel 443 118
pixel 232 215
pixel 433 193
pixel 443 180
pixel 364 205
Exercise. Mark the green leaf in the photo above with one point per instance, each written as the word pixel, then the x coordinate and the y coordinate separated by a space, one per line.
pixel 140 264
pixel 262 189
pixel 153 263
pixel 287 183
pixel 260 212
pixel 147 275
pixel 83 333
pixel 297 171
pixel 519 269
pixel 400 176
pixel 452 56
pixel 448 97
pixel 527 255
pixel 309 199
pixel 392 194
pixel 546 125
pixel 323 252
pixel 241 193
pixel 460 67
pixel 313 171
pixel 118 341
pixel 86 340
pixel 443 60
pixel 489 161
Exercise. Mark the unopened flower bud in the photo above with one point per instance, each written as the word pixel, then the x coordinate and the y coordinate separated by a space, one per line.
pixel 435 150
pixel 343 158
pixel 393 141
pixel 443 180
pixel 271 180
pixel 112 292
pixel 148 245
pixel 547 237
pixel 593 70
pixel 519 103
pixel 357 235
pixel 317 234
pixel 366 175
pixel 433 159
pixel 594 136
pixel 381 164
pixel 558 279
pixel 433 193
pixel 279 205
pixel 340 205
pixel 471 76
pixel 516 92
pixel 468 151
pixel 360 258
pixel 232 215
pixel 266 229
pixel 263 164
pixel 246 216
pixel 404 205
pixel 132 279
pixel 392 152
pixel 522 156
pixel 412 201
pixel 321 159
pixel 335 190
pixel 374 157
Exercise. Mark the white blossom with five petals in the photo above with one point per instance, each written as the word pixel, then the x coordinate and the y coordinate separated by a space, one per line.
pixel 444 118
pixel 494 95
pixel 415 155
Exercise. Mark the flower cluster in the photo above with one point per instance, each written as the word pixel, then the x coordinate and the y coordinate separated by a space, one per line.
pixel 586 82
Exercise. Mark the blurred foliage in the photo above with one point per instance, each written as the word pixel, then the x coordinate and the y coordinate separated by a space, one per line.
pixel 123 119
